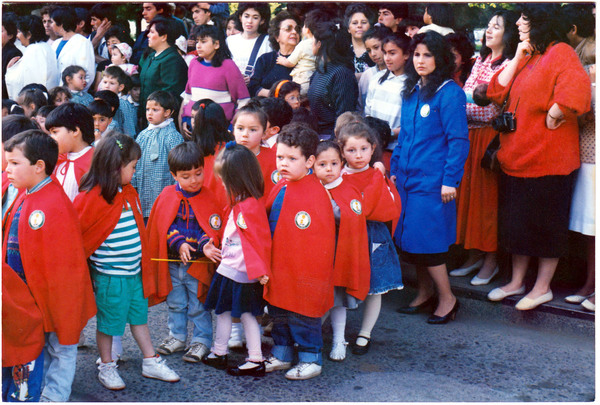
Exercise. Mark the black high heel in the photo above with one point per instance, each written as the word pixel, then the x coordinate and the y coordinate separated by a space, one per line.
pixel 438 320
pixel 430 302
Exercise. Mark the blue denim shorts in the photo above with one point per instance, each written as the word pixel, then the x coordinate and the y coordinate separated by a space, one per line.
pixel 385 265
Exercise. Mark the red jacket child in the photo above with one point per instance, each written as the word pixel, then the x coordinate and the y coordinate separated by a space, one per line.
pixel 303 249
pixel 54 261
pixel 208 213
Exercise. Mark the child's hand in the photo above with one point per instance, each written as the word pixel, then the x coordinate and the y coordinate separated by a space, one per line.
pixel 379 166
pixel 281 60
pixel 211 251
pixel 185 253
pixel 185 131
pixel 263 279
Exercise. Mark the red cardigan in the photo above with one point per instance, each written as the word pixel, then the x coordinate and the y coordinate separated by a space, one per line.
pixel 533 150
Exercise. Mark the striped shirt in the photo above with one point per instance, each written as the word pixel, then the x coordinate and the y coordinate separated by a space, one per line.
pixel 121 253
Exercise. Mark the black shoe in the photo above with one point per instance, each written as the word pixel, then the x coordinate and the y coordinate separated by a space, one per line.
pixel 438 320
pixel 422 307
pixel 360 350
pixel 258 371
pixel 219 362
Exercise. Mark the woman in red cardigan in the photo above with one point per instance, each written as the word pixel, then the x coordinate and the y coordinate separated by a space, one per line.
pixel 547 88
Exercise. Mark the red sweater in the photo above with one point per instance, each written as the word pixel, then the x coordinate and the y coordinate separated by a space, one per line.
pixel 533 150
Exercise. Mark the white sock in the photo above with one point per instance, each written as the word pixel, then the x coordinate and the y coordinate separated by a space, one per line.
pixel 370 316
pixel 117 347
pixel 222 334
pixel 338 323
pixel 252 333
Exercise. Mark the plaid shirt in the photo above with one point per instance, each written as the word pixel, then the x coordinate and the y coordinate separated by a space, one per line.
pixel 384 100
pixel 125 119
pixel 152 170
pixel 481 73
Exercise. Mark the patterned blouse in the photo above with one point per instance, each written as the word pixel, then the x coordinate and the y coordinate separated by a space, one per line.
pixel 481 73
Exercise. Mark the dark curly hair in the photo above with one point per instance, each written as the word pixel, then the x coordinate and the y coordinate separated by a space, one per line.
pixel 444 64
pixel 510 39
pixel 545 26
pixel 359 8
pixel 275 26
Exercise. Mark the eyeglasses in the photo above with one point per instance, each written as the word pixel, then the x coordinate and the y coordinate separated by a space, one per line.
pixel 290 28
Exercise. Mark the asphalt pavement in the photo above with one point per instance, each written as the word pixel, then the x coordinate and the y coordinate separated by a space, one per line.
pixel 481 356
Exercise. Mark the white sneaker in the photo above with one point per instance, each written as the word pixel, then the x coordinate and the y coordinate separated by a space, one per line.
pixel 170 346
pixel 236 340
pixel 156 367
pixel 303 371
pixel 109 376
pixel 273 364
pixel 338 351
pixel 115 358
pixel 195 352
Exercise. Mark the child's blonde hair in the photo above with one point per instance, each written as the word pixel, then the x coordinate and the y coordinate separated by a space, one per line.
pixel 346 118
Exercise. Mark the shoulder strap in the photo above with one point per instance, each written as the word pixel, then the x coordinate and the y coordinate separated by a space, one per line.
pixel 250 66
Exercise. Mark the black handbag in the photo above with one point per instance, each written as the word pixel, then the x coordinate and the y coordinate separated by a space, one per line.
pixel 490 159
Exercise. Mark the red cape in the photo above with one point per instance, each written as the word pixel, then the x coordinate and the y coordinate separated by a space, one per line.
pixel 303 249
pixel 378 202
pixel 99 218
pixel 212 182
pixel 54 261
pixel 164 211
pixel 81 164
pixel 252 224
pixel 22 325
pixel 352 266
pixel 267 158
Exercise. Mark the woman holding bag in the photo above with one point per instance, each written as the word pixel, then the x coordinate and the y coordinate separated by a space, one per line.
pixel 548 89
pixel 477 201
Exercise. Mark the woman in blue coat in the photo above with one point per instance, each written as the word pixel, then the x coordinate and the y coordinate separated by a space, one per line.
pixel 427 164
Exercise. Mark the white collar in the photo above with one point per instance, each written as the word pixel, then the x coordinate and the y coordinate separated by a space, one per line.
pixel 161 125
pixel 349 170
pixel 75 155
pixel 334 183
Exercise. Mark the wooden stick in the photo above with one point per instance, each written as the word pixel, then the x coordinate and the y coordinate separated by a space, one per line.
pixel 177 260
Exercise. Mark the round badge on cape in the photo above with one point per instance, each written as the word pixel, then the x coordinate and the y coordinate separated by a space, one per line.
pixel 275 176
pixel 425 110
pixel 215 222
pixel 36 219
pixel 356 206
pixel 241 222
pixel 302 220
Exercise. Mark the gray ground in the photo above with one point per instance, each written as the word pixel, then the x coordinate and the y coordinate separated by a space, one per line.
pixel 484 355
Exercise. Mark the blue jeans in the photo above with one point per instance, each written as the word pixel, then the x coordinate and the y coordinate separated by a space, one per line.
pixel 184 306
pixel 289 328
pixel 59 369
pixel 23 383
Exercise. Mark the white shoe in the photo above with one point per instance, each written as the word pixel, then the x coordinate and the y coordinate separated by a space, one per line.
pixel 303 371
pixel 109 376
pixel 338 351
pixel 527 303
pixel 156 367
pixel 483 281
pixel 273 364
pixel 115 359
pixel 236 340
pixel 463 271
pixel 171 345
pixel 195 352
pixel 498 294
pixel 589 305
pixel 576 299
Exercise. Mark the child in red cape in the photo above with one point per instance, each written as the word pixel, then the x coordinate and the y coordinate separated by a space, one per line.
pixel 72 126
pixel 42 244
pixel 381 204
pixel 236 290
pixel 300 291
pixel 116 244
pixel 185 226
pixel 352 268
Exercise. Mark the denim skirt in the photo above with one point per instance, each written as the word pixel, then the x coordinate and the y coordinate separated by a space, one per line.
pixel 225 295
pixel 385 265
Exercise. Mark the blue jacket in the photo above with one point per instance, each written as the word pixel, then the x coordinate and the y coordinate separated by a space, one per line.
pixel 433 145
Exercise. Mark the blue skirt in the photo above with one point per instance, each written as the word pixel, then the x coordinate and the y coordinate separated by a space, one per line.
pixel 385 265
pixel 228 295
